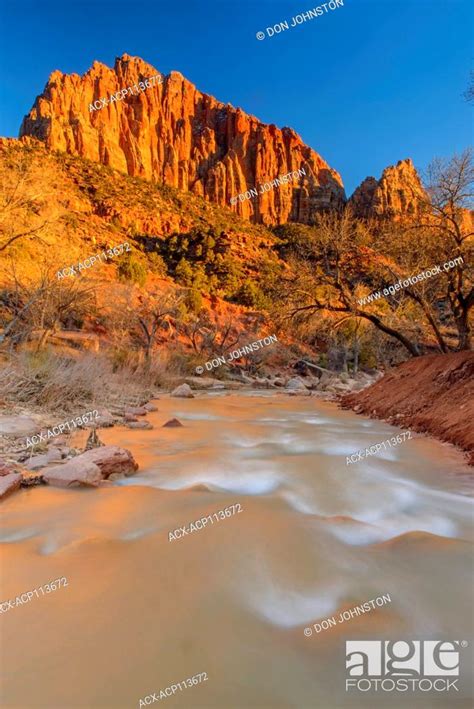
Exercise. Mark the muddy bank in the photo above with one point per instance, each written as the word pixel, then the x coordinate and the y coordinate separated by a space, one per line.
pixel 432 394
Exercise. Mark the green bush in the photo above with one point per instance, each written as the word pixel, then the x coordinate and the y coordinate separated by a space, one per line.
pixel 251 295
pixel 193 300
pixel 184 273
pixel 132 270
pixel 157 264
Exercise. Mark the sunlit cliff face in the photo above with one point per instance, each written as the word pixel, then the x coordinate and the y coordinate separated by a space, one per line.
pixel 173 133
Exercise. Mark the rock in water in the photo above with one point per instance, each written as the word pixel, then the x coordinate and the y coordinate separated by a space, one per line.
pixel 9 483
pixel 111 459
pixel 184 391
pixel 74 473
pixel 172 423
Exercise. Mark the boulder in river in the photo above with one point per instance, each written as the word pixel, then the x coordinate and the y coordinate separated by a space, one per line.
pixel 143 425
pixel 172 423
pixel 111 459
pixel 75 472
pixel 9 483
pixel 183 391
pixel 136 410
pixel 150 407
pixel 295 383
pixel 52 455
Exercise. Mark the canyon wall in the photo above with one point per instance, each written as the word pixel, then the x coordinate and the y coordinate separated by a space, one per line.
pixel 174 134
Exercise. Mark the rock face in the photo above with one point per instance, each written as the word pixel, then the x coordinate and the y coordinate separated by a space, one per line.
pixel 172 133
pixel 395 196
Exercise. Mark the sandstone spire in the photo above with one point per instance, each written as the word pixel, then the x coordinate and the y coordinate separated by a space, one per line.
pixel 395 196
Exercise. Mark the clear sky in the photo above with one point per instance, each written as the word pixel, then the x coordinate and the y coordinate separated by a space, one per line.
pixel 364 85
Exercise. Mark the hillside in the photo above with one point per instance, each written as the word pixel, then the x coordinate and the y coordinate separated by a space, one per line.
pixel 86 206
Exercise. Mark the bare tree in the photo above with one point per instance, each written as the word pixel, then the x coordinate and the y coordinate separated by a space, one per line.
pixel 22 198
pixel 341 260
pixel 43 304
pixel 155 313
pixel 209 338
pixel 450 190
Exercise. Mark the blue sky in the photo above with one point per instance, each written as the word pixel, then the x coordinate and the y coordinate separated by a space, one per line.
pixel 365 85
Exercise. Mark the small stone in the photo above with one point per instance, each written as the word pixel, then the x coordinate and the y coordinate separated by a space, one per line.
pixel 116 476
pixel 140 425
pixel 52 455
pixel 103 420
pixel 172 423
pixel 136 410
pixel 130 418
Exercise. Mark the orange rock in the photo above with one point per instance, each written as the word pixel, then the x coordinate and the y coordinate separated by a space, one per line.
pixel 395 196
pixel 173 133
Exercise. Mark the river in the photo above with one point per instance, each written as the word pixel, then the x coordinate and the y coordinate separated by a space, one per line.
pixel 314 537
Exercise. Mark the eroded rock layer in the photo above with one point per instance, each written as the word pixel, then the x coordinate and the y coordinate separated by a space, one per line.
pixel 397 195
pixel 173 133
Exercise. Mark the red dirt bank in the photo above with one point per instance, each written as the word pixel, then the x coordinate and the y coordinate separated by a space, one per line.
pixel 433 394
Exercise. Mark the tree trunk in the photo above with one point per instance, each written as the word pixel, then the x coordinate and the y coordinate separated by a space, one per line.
pixel 42 341
pixel 410 346
pixel 464 331
pixel 356 357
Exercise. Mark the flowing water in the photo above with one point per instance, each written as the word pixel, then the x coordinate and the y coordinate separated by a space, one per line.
pixel 314 537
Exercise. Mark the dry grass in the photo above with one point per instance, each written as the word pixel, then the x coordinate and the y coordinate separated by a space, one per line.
pixel 53 383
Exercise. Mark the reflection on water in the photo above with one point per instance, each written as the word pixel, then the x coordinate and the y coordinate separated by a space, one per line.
pixel 315 537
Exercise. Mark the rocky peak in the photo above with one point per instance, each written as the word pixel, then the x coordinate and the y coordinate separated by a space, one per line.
pixel 395 196
pixel 174 134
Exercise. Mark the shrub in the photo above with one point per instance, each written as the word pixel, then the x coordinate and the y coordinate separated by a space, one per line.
pixel 157 264
pixel 251 295
pixel 184 273
pixel 193 300
pixel 132 270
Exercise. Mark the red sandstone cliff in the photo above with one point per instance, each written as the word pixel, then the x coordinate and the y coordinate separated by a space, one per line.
pixel 395 196
pixel 173 133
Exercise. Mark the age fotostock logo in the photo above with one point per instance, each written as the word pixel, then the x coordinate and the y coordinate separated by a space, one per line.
pixel 403 665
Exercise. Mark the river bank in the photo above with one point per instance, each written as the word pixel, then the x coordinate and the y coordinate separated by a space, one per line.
pixel 433 394
pixel 35 441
